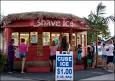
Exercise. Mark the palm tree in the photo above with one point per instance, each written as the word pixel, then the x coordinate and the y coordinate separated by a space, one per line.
pixel 1 17
pixel 98 22
pixel 1 33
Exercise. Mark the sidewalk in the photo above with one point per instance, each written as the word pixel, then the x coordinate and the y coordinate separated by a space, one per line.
pixel 12 78
pixel 107 77
pixel 84 75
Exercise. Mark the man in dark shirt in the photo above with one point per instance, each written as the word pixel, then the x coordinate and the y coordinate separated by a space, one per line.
pixel 92 53
pixel 11 50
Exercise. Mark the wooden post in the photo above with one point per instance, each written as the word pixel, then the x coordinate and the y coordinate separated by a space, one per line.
pixel 7 36
pixel 70 37
pixel 40 45
pixel 76 39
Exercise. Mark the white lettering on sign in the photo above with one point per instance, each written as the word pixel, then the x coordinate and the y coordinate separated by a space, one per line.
pixel 53 23
pixel 64 63
pixel 64 59
pixel 71 24
pixel 64 23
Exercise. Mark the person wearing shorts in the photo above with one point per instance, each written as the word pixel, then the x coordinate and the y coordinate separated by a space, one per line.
pixel 23 55
pixel 23 49
pixel 110 55
pixel 109 59
pixel 89 58
pixel 53 49
pixel 104 56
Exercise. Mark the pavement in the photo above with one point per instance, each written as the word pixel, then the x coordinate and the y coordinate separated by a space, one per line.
pixel 108 77
pixel 84 75
pixel 12 78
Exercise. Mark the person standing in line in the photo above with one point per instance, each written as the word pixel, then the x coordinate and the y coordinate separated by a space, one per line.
pixel 23 49
pixel 53 49
pixel 79 52
pixel 59 42
pixel 114 56
pixel 104 56
pixel 99 48
pixel 64 45
pixel 89 57
pixel 11 50
pixel 92 49
pixel 110 56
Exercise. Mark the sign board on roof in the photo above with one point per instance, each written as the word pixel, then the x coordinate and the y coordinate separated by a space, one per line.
pixel 56 23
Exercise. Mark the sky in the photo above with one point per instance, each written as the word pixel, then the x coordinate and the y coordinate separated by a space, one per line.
pixel 78 8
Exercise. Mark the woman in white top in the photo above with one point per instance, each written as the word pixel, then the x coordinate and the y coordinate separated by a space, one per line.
pixel 110 54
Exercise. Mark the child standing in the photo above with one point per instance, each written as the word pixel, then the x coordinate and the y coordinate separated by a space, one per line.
pixel 89 58
pixel 79 56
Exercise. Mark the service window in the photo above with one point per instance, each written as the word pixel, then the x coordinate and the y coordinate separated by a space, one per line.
pixel 78 39
pixel 73 39
pixel 55 37
pixel 46 38
pixel 33 37
pixel 67 35
pixel 82 40
pixel 24 35
pixel 15 36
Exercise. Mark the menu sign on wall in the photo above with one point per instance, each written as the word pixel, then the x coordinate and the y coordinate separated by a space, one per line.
pixel 15 36
pixel 46 38
pixel 34 37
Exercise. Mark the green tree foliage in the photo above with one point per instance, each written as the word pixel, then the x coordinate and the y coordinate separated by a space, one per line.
pixel 97 21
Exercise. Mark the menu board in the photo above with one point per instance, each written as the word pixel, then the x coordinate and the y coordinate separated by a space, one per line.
pixel 46 38
pixel 73 39
pixel 78 38
pixel 24 35
pixel 15 36
pixel 33 37
pixel 40 44
pixel 55 37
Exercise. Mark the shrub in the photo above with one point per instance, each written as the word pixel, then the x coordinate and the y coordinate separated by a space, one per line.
pixel 2 61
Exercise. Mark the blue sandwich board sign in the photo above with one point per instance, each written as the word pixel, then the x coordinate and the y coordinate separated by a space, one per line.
pixel 64 66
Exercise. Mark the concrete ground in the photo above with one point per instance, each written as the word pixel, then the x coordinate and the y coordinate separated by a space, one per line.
pixel 108 77
pixel 84 75
pixel 12 78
